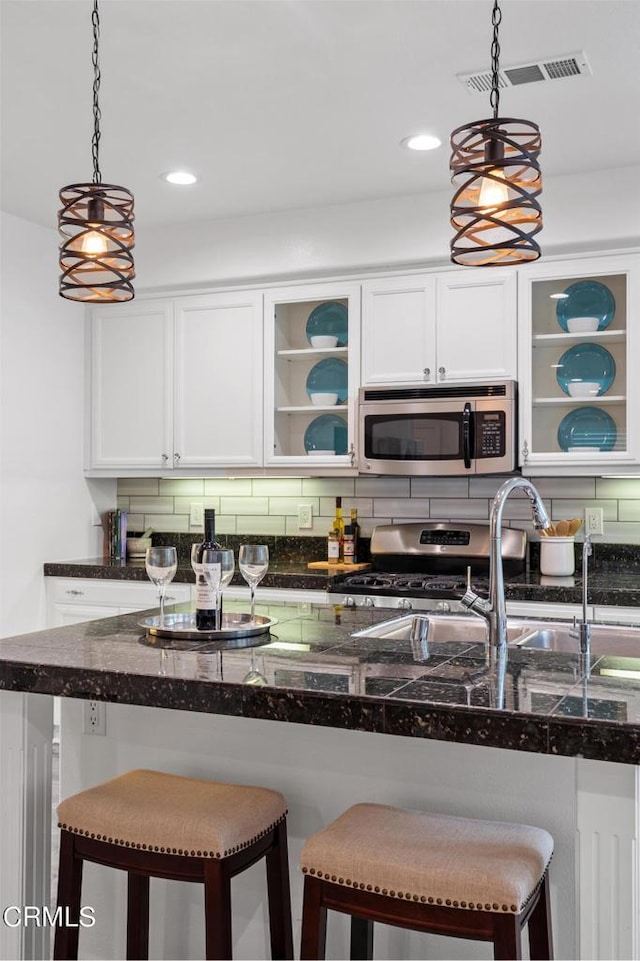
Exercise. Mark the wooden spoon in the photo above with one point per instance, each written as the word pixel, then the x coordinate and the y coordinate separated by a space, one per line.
pixel 562 529
pixel 574 525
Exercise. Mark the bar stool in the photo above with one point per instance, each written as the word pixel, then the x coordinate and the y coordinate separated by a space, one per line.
pixel 482 880
pixel 151 824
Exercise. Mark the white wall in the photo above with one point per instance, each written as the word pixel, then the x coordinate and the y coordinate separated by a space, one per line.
pixel 46 508
pixel 589 211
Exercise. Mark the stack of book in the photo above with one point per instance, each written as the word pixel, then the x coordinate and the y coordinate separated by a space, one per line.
pixel 116 534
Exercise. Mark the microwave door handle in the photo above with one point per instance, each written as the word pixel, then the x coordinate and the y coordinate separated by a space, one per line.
pixel 467 435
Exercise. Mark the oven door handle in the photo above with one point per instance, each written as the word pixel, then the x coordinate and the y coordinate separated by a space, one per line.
pixel 467 435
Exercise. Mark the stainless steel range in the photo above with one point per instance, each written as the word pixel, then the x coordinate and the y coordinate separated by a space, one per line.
pixel 423 567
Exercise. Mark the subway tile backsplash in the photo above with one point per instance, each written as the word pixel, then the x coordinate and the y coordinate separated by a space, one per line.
pixel 270 505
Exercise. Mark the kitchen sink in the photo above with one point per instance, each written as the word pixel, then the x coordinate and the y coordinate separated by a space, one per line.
pixel 554 636
pixel 606 639
pixel 467 628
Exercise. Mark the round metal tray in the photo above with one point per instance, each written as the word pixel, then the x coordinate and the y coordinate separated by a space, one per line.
pixel 183 627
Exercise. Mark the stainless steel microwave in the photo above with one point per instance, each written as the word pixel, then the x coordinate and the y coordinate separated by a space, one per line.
pixel 447 430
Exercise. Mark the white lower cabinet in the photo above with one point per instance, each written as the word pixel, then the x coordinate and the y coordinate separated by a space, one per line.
pixel 71 600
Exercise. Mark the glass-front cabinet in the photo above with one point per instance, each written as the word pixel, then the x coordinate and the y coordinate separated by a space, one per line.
pixel 312 375
pixel 578 367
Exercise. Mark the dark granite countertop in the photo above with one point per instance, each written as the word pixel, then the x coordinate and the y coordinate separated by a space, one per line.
pixel 315 672
pixel 608 587
pixel 281 574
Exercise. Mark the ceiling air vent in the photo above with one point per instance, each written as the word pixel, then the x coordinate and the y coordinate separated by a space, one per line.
pixel 555 68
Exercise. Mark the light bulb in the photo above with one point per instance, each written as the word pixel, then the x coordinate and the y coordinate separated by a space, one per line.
pixel 493 193
pixel 93 244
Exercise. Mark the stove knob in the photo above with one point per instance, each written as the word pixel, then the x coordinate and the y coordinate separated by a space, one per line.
pixel 443 606
pixel 405 604
pixel 367 602
pixel 348 602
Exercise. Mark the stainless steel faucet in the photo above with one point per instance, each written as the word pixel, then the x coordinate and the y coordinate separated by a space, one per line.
pixel 494 610
pixel 583 630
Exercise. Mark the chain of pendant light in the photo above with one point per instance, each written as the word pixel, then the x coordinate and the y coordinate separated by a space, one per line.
pixel 95 59
pixel 496 17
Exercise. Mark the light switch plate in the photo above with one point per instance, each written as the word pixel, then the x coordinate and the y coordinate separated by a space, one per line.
pixel 305 517
pixel 196 515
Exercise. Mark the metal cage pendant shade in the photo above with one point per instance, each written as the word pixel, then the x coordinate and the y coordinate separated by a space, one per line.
pixel 95 224
pixel 495 171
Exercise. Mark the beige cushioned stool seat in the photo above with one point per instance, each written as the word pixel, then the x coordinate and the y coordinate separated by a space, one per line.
pixel 173 815
pixel 431 858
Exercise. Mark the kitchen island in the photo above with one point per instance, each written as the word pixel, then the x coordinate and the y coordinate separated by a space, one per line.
pixel 340 719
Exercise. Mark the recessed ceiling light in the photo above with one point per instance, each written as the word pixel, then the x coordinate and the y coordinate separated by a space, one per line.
pixel 181 177
pixel 421 141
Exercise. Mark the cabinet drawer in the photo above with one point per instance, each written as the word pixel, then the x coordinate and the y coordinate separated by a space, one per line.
pixel 617 615
pixel 137 596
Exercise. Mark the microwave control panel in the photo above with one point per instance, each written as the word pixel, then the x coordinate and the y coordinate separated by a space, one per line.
pixel 490 433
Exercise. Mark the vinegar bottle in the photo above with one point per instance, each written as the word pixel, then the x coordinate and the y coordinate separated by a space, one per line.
pixel 338 527
pixel 356 533
pixel 205 597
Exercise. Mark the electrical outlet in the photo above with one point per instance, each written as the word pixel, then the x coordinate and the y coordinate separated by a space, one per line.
pixel 196 515
pixel 593 520
pixel 305 517
pixel 94 718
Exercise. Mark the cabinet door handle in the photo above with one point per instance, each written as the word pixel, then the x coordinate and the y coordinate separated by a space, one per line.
pixel 426 371
pixel 176 458
pixel 165 458
pixel 352 455
pixel 169 597
pixel 442 371
pixel 74 593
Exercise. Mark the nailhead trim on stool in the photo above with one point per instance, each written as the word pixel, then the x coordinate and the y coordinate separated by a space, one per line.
pixel 152 824
pixel 446 866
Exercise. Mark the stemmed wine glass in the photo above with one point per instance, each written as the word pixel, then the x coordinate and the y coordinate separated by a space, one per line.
pixel 217 567
pixel 254 564
pixel 161 564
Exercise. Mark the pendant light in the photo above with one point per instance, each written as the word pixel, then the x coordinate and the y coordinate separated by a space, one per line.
pixel 96 224
pixel 495 171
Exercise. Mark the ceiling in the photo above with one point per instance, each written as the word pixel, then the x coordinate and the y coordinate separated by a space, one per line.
pixel 282 104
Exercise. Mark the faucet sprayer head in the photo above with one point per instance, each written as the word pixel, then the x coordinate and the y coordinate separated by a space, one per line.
pixel 540 517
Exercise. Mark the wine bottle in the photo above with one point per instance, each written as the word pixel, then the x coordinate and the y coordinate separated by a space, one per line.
pixel 356 533
pixel 338 527
pixel 205 596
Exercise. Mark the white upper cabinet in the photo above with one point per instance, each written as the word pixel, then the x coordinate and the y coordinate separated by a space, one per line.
pixel 131 383
pixel 431 328
pixel 477 325
pixel 399 330
pixel 218 380
pixel 301 431
pixel 177 383
pixel 577 372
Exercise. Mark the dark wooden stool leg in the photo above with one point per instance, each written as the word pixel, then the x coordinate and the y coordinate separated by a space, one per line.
pixel 314 922
pixel 507 938
pixel 69 892
pixel 361 939
pixel 217 911
pixel 137 917
pixel 540 932
pixel 280 926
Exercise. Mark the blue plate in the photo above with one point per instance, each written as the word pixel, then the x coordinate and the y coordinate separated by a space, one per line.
pixel 329 320
pixel 586 363
pixel 587 427
pixel 329 376
pixel 327 432
pixel 587 298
